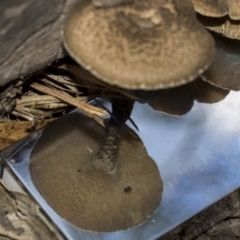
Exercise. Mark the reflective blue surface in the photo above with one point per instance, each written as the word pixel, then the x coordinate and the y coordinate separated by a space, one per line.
pixel 198 156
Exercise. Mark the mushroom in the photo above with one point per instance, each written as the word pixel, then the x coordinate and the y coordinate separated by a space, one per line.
pixel 218 8
pixel 94 195
pixel 220 16
pixel 173 101
pixel 225 69
pixel 180 100
pixel 139 44
pixel 225 26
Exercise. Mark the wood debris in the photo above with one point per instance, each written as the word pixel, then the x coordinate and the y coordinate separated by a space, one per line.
pixel 21 218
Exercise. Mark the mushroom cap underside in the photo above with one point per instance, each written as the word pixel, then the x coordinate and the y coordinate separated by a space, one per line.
pixel 225 26
pixel 180 100
pixel 87 197
pixel 225 70
pixel 143 45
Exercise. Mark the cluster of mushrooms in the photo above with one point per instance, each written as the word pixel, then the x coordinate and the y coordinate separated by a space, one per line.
pixel 159 51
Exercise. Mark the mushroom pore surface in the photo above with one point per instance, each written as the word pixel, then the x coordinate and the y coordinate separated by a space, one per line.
pixel 143 44
pixel 84 195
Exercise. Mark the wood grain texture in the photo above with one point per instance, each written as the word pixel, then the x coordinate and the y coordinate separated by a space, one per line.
pixel 21 218
pixel 218 222
pixel 30 35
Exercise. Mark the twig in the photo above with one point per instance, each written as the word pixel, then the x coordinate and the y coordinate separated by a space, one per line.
pixel 22 115
pixel 91 111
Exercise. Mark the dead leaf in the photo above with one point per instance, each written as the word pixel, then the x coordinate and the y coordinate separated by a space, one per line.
pixel 12 131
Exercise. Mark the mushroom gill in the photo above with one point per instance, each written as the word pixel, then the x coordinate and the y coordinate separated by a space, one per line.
pixel 224 25
pixel 179 100
pixel 225 70
pixel 220 16
pixel 91 192
pixel 218 8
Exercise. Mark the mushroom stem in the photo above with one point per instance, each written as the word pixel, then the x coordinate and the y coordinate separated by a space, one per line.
pixel 107 154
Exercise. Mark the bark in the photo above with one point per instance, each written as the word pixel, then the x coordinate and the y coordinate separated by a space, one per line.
pixel 21 218
pixel 220 221
pixel 30 35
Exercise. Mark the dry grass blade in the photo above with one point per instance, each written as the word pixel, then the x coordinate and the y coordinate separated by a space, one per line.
pixel 38 106
pixel 65 80
pixel 36 99
pixel 37 113
pixel 61 79
pixel 91 111
pixel 41 101
pixel 26 116
pixel 51 83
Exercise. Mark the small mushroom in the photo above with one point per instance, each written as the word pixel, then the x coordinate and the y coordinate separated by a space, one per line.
pixel 180 100
pixel 225 69
pixel 139 44
pixel 218 8
pixel 92 194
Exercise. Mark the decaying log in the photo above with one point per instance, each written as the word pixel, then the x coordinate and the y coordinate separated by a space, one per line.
pixel 8 97
pixel 30 35
pixel 21 218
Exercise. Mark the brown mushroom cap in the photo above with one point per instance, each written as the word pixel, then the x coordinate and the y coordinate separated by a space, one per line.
pixel 87 197
pixel 225 69
pixel 180 100
pixel 143 45
pixel 218 8
pixel 225 26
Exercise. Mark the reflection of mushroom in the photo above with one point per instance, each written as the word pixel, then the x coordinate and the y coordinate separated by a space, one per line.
pixel 91 194
pixel 179 100
pixel 225 69
pixel 218 8
pixel 139 45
